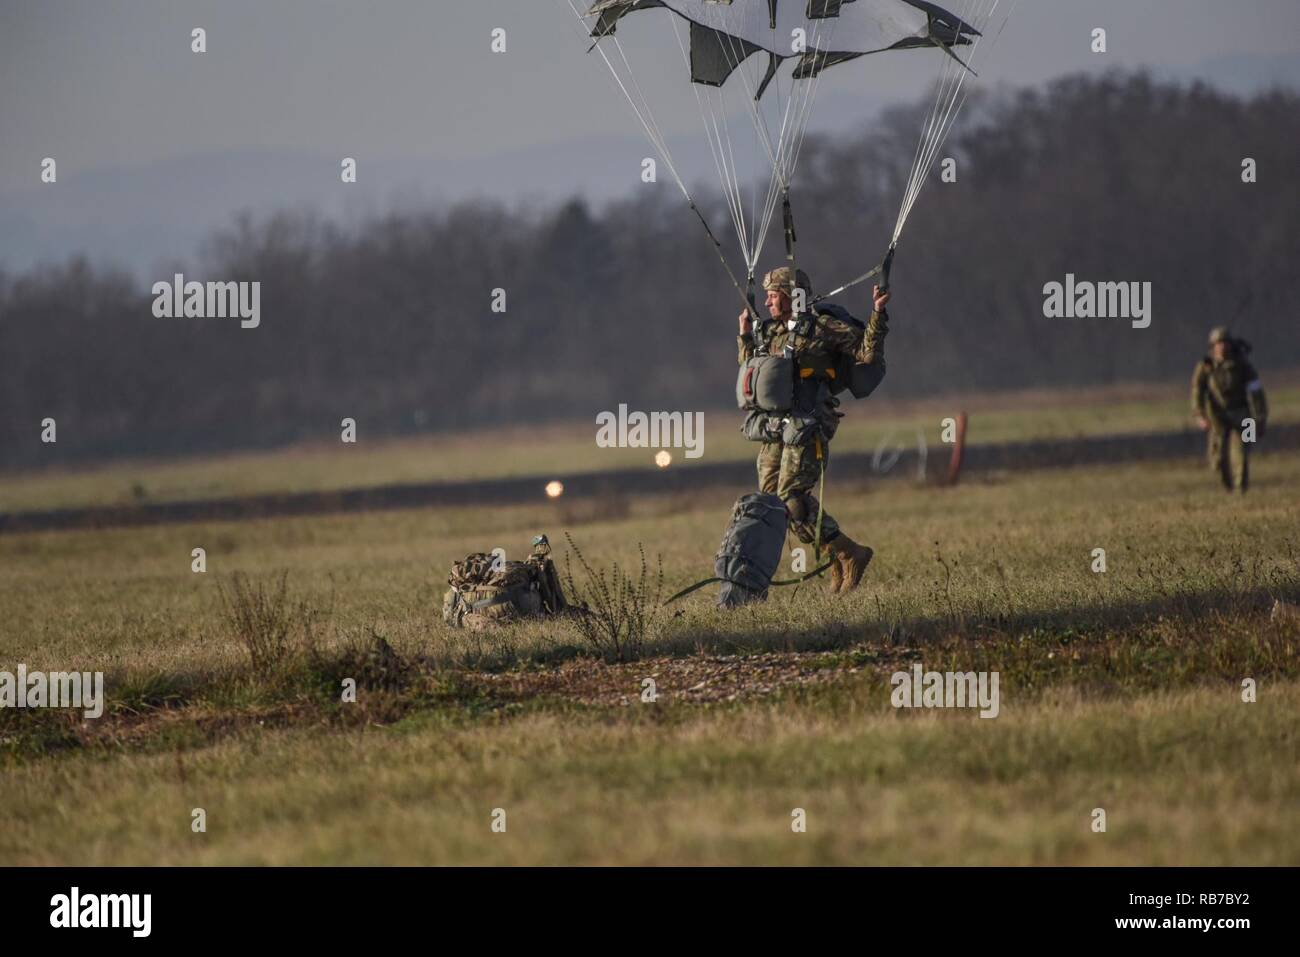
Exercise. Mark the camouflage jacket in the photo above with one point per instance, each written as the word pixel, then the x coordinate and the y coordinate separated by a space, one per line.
pixel 816 341
pixel 1226 392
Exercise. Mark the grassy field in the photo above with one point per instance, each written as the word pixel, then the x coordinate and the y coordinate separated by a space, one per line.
pixel 569 447
pixel 1119 690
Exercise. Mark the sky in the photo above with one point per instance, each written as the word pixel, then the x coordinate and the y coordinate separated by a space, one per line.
pixel 157 146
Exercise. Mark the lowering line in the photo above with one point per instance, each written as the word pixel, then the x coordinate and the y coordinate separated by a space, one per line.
pixel 788 581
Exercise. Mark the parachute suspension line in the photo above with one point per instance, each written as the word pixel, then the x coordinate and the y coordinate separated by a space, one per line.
pixel 793 145
pixel 762 133
pixel 746 298
pixel 727 175
pixel 949 101
pixel 955 101
pixel 782 155
pixel 816 82
pixel 655 136
pixel 660 143
pixel 735 180
pixel 929 135
pixel 779 183
pixel 756 115
pixel 729 182
pixel 642 111
pixel 948 87
pixel 753 186
pixel 730 186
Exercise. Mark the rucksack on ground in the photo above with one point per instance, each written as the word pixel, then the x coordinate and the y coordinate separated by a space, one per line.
pixel 751 549
pixel 487 591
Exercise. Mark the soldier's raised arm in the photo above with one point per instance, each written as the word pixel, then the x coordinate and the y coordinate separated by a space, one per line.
pixel 841 335
pixel 873 340
pixel 745 341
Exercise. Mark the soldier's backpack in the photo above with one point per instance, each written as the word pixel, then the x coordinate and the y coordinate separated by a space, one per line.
pixel 751 549
pixel 860 378
pixel 487 591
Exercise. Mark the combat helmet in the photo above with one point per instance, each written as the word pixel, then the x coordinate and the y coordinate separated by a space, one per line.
pixel 786 280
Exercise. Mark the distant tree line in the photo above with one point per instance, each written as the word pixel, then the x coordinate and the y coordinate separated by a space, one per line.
pixel 1112 179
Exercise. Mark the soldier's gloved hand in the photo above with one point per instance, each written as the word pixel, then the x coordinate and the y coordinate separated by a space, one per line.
pixel 744 323
pixel 879 298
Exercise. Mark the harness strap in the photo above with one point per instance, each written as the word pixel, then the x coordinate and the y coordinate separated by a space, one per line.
pixel 500 598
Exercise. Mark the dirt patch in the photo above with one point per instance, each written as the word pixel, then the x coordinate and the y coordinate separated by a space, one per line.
pixel 700 679
pixel 695 680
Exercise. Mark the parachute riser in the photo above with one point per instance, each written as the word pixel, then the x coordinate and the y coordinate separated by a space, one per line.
pixel 882 270
pixel 787 219
pixel 885 265
pixel 748 299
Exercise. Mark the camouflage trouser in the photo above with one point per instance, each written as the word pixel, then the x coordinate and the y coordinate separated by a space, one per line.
pixel 1228 456
pixel 791 472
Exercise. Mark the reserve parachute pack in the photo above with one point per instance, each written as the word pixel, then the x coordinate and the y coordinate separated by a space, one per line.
pixel 487 591
pixel 766 384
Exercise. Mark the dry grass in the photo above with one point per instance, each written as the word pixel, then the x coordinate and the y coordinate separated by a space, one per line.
pixel 614 612
pixel 564 447
pixel 1194 777
pixel 1120 689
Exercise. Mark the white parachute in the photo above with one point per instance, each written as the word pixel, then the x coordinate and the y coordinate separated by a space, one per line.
pixel 769 56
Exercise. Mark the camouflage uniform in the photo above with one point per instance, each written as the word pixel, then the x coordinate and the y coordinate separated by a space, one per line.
pixel 1224 394
pixel 792 470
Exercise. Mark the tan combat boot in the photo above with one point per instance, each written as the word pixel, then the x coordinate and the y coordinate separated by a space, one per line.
pixel 837 573
pixel 852 560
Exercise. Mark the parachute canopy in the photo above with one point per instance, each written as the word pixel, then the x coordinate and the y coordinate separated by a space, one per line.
pixel 723 33
pixel 735 53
